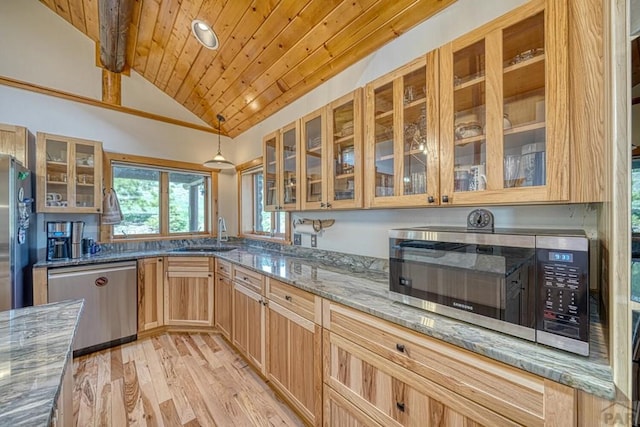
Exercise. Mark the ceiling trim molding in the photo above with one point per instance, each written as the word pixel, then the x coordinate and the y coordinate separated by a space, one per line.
pixel 19 84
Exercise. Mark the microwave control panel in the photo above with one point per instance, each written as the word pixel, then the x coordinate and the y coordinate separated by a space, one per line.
pixel 563 297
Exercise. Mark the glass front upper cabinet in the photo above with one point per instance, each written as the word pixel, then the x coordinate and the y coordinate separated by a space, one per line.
pixel 503 115
pixel 270 153
pixel 344 151
pixel 289 157
pixel 312 135
pixel 401 138
pixel 69 175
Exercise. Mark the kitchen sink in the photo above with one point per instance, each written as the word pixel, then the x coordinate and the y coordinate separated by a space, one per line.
pixel 204 249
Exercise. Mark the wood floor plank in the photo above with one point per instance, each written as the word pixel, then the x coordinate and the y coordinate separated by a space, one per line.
pixel 155 371
pixel 169 413
pixel 116 364
pixel 103 389
pixel 168 358
pixel 118 409
pixel 87 393
pixel 174 380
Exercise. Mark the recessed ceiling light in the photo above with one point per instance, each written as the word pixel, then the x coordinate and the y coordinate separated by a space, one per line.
pixel 204 34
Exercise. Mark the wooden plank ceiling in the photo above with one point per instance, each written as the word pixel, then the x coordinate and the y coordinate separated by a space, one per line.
pixel 271 51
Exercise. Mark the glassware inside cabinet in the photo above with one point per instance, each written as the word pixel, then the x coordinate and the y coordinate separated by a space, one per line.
pixel 524 103
pixel 384 167
pixel 343 152
pixel 289 172
pixel 270 183
pixel 313 159
pixel 85 175
pixel 469 92
pixel 57 173
pixel 415 133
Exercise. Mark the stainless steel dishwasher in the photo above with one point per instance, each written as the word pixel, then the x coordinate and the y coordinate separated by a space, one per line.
pixel 109 291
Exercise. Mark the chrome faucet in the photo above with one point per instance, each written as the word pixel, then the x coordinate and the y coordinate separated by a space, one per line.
pixel 222 230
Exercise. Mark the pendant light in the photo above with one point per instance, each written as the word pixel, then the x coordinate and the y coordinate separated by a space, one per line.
pixel 218 161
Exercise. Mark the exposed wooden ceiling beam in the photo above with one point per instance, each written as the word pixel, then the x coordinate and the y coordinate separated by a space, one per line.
pixel 115 17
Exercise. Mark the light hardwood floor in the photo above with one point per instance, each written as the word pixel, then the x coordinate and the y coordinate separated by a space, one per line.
pixel 173 380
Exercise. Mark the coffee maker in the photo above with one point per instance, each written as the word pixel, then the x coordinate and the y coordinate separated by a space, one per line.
pixel 58 240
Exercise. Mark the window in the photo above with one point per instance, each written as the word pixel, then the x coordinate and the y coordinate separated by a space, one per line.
pixel 254 220
pixel 158 201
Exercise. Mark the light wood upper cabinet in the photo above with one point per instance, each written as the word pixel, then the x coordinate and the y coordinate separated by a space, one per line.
pixel 401 136
pixel 150 293
pixel 69 174
pixel 281 169
pixel 504 115
pixel 188 291
pixel 313 169
pixel 344 152
pixel 18 142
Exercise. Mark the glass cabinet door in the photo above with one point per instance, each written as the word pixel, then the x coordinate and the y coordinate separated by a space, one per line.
pixel 289 168
pixel 345 151
pixel 524 129
pixel 56 190
pixel 414 126
pixel 470 119
pixel 402 136
pixel 383 141
pixel 85 176
pixel 270 171
pixel 312 171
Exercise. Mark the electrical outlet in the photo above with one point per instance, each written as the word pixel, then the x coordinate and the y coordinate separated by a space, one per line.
pixel 314 241
pixel 297 239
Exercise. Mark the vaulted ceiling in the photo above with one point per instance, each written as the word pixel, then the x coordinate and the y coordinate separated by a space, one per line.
pixel 271 51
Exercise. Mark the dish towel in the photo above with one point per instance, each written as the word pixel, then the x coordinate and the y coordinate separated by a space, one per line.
pixel 111 213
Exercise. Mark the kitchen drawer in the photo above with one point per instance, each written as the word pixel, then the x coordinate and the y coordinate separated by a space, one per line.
pixel 338 411
pixel 223 267
pixel 394 396
pixel 249 278
pixel 300 302
pixel 188 264
pixel 516 394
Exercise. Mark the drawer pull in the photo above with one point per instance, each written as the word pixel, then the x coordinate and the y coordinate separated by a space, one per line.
pixel 288 297
pixel 245 278
pixel 400 406
pixel 400 348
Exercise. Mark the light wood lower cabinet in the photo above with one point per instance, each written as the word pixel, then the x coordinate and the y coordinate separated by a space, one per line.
pixel 188 291
pixel 294 360
pixel 390 372
pixel 150 293
pixel 223 297
pixel 249 324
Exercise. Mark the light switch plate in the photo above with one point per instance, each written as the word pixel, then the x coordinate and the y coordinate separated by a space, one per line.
pixel 314 241
pixel 297 239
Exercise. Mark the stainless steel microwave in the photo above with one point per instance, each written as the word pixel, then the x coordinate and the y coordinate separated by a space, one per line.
pixel 530 284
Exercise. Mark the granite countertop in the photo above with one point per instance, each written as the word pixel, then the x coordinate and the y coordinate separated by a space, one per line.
pixel 367 290
pixel 35 345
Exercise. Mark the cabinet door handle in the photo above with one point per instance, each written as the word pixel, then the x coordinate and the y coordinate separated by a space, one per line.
pixel 430 199
pixel 445 199
pixel 328 205
pixel 288 297
pixel 210 275
pixel 264 303
pixel 322 205
pixel 400 347
pixel 400 406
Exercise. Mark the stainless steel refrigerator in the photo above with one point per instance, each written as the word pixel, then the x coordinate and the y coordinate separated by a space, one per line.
pixel 15 216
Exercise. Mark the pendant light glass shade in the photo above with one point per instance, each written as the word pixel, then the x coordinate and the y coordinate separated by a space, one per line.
pixel 218 161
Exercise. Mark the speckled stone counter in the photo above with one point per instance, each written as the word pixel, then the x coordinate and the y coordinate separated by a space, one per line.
pixel 35 344
pixel 367 290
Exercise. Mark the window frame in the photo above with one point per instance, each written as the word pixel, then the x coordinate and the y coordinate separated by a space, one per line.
pixel 164 166
pixel 242 169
